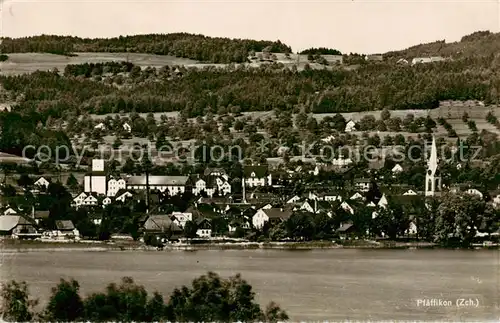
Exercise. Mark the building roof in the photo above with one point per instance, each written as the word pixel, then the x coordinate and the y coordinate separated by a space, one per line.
pixel 278 213
pixel 345 227
pixel 260 171
pixel 41 214
pixel 65 225
pixel 8 222
pixel 160 223
pixel 158 180
pixel 209 171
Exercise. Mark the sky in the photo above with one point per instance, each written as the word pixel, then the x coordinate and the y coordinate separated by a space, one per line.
pixel 369 26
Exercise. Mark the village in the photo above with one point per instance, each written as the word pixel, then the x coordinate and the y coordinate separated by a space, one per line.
pixel 262 205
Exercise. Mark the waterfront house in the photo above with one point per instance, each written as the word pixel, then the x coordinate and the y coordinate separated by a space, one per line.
pixel 273 215
pixel 204 228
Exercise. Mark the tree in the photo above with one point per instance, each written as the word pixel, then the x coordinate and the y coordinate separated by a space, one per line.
pixel 65 303
pixel 8 190
pixel 25 181
pixel 72 182
pixel 190 229
pixel 212 298
pixel 16 304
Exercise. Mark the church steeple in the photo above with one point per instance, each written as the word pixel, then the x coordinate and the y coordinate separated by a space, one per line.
pixel 432 177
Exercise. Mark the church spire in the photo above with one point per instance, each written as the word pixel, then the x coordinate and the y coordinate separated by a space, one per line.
pixel 432 163
pixel 432 177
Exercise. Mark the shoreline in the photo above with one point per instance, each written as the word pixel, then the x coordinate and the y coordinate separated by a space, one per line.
pixel 46 246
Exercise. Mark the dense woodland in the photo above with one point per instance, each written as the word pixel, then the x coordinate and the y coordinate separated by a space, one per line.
pixel 197 47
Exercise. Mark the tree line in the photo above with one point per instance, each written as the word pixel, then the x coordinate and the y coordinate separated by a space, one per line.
pixel 210 298
pixel 193 46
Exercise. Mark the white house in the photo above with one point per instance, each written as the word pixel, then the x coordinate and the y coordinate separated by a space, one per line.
pixel 382 203
pixel 412 229
pixel 95 181
pixel 257 176
pixel 10 211
pixel 114 185
pixel 350 126
pixel 199 186
pixel 79 199
pixel 274 214
pixel 173 184
pixel 42 182
pixel 473 191
pixel 127 127
pixel 397 169
pixel 341 161
pixel 410 192
pixel 122 197
pixel 423 60
pixel 330 197
pixel 357 196
pixel 181 218
pixel 293 199
pixel 306 206
pixel 496 201
pixel 100 126
pixel 90 200
pixel 347 207
pixel 315 171
pixel 204 228
pixel 371 204
pixel 107 201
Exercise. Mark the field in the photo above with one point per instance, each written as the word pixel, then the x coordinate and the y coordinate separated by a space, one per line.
pixel 20 63
pixel 30 62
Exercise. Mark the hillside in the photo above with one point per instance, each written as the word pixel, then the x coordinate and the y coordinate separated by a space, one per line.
pixel 477 44
pixel 196 47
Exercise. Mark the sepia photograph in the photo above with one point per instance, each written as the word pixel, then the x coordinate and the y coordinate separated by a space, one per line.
pixel 250 161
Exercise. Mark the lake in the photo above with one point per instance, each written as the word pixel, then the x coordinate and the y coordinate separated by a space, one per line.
pixel 343 284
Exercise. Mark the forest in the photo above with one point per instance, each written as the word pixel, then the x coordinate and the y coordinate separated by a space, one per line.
pixel 197 47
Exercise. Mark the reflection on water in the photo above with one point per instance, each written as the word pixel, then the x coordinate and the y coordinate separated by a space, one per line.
pixel 310 285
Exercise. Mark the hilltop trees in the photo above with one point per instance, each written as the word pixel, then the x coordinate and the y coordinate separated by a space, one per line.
pixel 197 47
pixel 210 298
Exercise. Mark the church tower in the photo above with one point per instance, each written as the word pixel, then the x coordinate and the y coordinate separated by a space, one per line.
pixel 433 177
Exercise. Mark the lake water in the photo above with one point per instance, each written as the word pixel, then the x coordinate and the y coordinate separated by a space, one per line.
pixel 349 284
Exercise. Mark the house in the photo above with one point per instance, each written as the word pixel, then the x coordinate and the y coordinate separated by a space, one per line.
pixel 371 204
pixel 42 182
pixel 114 185
pixel 423 60
pixel 473 191
pixel 257 176
pixel 106 201
pixel 412 229
pixel 293 199
pixel 18 226
pixel 362 184
pixel 306 206
pixel 215 172
pixel 350 126
pixel 341 161
pixel 397 169
pixel 123 195
pixel 200 185
pixel 315 171
pixel 9 211
pixel 79 199
pixel 66 230
pixel 374 57
pixel 346 230
pixel 100 126
pixel 410 192
pixel 402 61
pixel 347 207
pixel 127 127
pixel 330 197
pixel 496 201
pixel 95 180
pixel 357 196
pixel 156 224
pixel 91 200
pixel 172 184
pixel 204 226
pixel 273 215
pixel 382 203
pixel 40 216
pixel 181 218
